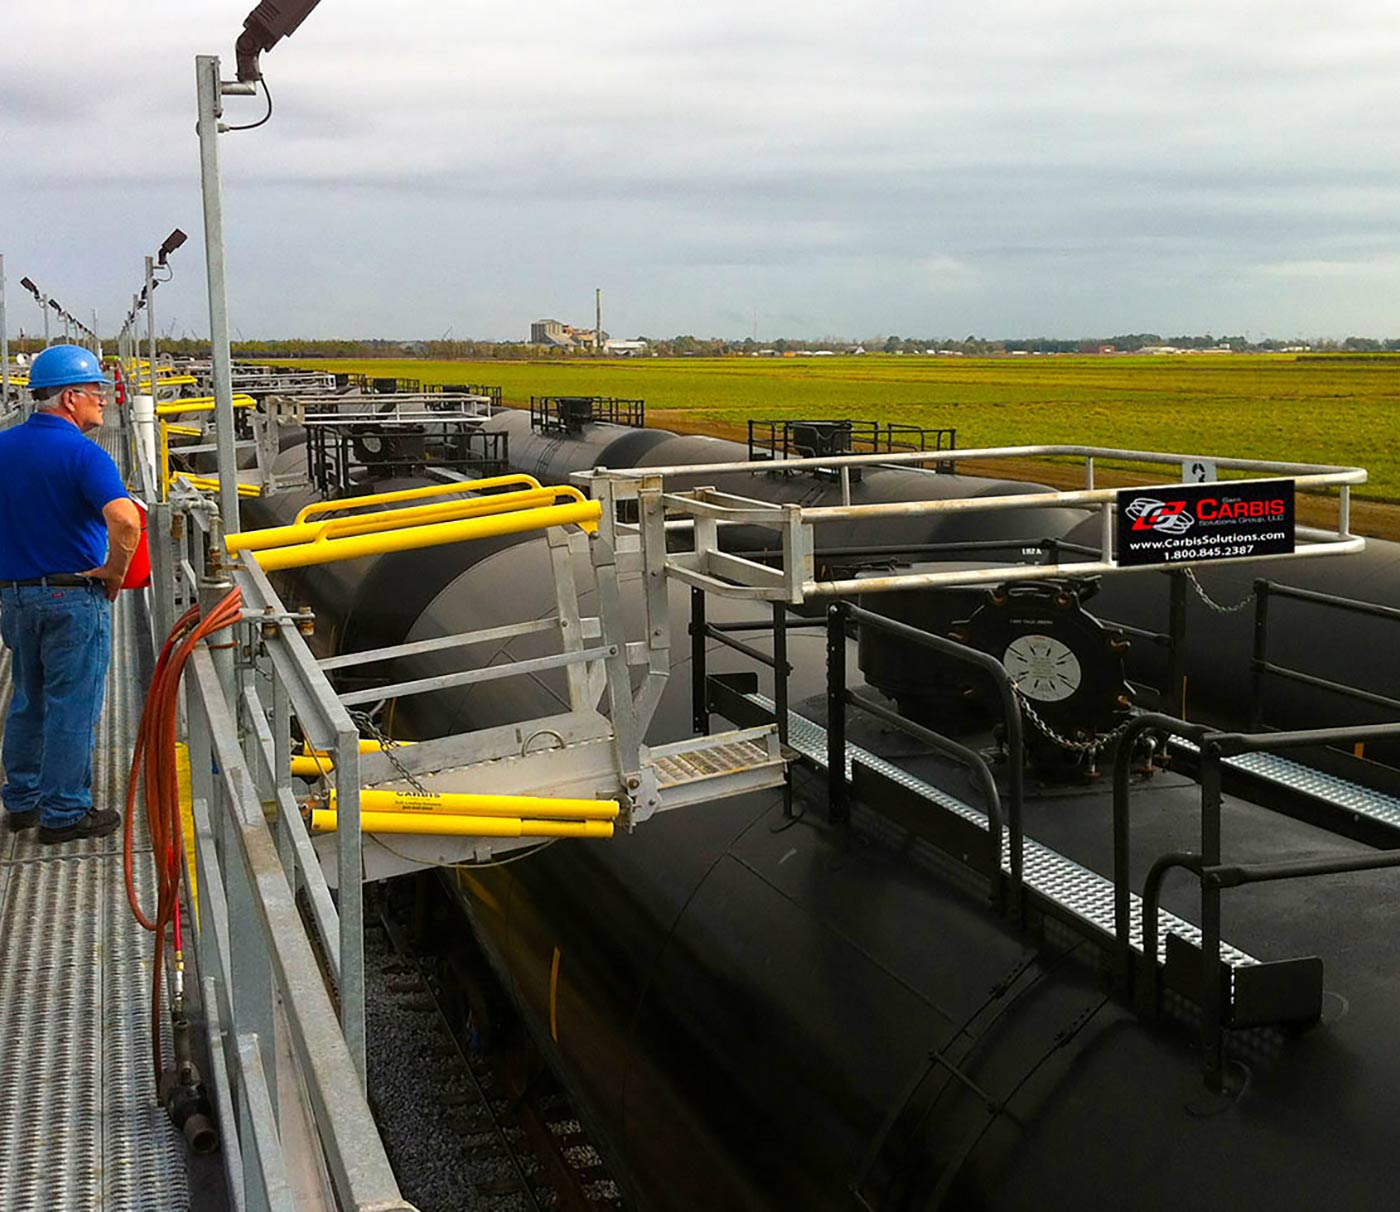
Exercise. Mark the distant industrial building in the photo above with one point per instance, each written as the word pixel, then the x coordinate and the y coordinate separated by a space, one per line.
pixel 564 336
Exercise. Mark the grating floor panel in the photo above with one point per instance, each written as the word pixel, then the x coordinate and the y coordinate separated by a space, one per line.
pixel 1329 788
pixel 1084 892
pixel 80 1128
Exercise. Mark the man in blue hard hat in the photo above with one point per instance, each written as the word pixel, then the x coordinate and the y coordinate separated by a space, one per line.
pixel 67 533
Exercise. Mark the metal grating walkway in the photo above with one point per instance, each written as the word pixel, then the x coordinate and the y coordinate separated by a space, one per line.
pixel 1086 893
pixel 80 1129
pixel 1330 788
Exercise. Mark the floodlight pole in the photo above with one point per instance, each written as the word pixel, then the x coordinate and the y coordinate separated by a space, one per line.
pixel 151 328
pixel 211 92
pixel 44 305
pixel 4 345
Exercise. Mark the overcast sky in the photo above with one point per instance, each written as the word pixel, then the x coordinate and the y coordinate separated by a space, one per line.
pixel 1009 168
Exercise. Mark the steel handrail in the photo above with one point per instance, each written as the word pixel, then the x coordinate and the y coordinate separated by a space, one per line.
pixel 1015 742
pixel 414 494
pixel 584 514
pixel 393 519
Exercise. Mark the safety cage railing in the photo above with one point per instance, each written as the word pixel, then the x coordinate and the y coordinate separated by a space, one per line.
pixel 569 414
pixel 783 440
pixel 279 956
pixel 344 448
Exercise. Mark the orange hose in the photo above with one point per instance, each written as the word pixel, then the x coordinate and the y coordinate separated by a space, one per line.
pixel 154 769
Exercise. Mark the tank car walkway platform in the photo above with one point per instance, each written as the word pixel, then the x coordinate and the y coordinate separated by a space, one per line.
pixel 1058 878
pixel 80 1127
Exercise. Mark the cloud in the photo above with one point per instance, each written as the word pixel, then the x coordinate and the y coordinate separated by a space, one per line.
pixel 1073 169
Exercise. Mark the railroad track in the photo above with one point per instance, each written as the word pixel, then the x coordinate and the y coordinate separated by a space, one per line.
pixel 466 1127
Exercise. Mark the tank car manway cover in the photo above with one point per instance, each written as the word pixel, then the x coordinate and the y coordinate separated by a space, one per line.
pixel 1242 520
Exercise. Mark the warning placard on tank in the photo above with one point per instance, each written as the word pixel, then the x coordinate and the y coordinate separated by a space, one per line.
pixel 1220 521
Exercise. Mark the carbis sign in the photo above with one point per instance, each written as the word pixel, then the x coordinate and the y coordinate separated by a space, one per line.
pixel 1204 522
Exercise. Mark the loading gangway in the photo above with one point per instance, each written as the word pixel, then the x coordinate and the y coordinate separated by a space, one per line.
pixel 277 1003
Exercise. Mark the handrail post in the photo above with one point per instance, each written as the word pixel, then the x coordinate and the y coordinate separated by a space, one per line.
pixel 781 669
pixel 838 806
pixel 1212 991
pixel 1174 701
pixel 1261 654
pixel 699 692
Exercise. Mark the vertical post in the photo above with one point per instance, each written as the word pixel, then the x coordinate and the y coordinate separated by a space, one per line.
pixel 350 895
pixel 838 808
pixel 44 307
pixel 210 110
pixel 4 345
pixel 1212 987
pixel 1176 654
pixel 151 326
pixel 781 669
pixel 1261 654
pixel 699 706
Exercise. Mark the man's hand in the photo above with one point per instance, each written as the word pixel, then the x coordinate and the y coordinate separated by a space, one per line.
pixel 123 534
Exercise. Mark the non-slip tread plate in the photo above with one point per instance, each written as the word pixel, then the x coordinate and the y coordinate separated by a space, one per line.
pixel 1085 893
pixel 80 1128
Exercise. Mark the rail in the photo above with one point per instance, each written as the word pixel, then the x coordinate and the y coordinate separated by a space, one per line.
pixel 722 572
pixel 284 989
pixel 1297 992
pixel 1261 666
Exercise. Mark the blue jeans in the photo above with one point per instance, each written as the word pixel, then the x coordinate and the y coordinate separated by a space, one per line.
pixel 62 643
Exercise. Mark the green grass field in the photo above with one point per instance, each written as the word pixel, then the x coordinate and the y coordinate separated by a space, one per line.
pixel 1248 406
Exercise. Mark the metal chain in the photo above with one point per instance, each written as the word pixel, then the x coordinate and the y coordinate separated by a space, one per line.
pixel 1095 742
pixel 387 744
pixel 1210 601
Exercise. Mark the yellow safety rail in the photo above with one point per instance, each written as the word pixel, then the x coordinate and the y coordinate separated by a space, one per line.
pixel 415 494
pixel 184 431
pixel 209 484
pixel 281 547
pixel 203 483
pixel 167 381
pixel 323 820
pixel 417 515
pixel 199 404
pixel 312 763
pixel 455 803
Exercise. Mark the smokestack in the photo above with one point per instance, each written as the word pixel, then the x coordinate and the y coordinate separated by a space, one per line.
pixel 598 319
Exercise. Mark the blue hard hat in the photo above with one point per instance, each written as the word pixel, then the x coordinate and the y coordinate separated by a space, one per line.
pixel 65 366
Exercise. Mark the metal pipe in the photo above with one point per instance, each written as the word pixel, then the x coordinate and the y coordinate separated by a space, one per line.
pixel 176 408
pixel 1349 475
pixel 414 494
pixel 151 323
pixel 456 803
pixel 931 580
pixel 699 630
pixel 1122 832
pixel 838 808
pixel 584 514
pixel 968 757
pixel 1213 1006
pixel 1151 900
pixel 390 519
pixel 210 110
pixel 443 825
pixel 1011 712
pixel 4 345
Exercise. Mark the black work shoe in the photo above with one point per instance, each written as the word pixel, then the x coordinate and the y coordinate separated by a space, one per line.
pixel 99 822
pixel 22 820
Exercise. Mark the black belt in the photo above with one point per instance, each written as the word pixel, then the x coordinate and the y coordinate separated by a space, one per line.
pixel 59 580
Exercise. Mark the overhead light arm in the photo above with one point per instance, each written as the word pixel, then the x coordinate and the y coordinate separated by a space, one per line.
pixel 263 28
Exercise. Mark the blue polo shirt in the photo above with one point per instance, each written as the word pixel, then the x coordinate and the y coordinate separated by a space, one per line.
pixel 54 484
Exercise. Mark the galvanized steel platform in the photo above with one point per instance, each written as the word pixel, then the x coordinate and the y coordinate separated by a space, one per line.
pixel 1086 893
pixel 80 1128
